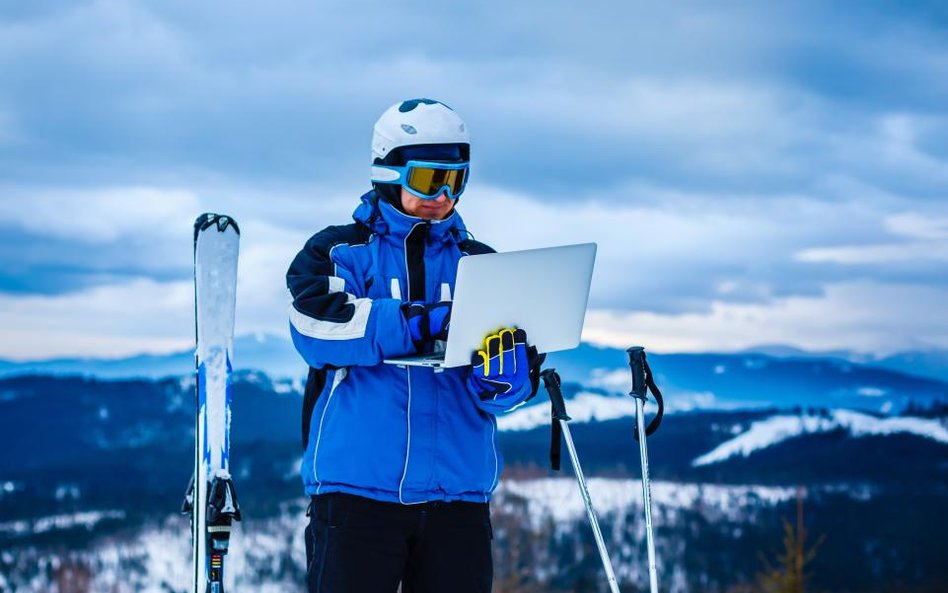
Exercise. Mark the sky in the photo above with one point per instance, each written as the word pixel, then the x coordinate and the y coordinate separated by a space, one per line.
pixel 753 173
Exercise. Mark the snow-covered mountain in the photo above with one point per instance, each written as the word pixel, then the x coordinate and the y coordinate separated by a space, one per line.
pixel 583 407
pixel 751 380
pixel 707 537
pixel 557 498
pixel 269 353
pixel 931 363
pixel 100 466
pixel 771 377
pixel 546 515
pixel 779 428
pixel 768 431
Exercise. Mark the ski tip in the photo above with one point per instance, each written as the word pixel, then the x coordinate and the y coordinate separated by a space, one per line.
pixel 210 219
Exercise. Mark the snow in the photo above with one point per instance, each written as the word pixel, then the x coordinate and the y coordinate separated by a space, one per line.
pixel 560 499
pixel 863 424
pixel 593 407
pixel 686 401
pixel 584 407
pixel 776 429
pixel 64 491
pixel 616 380
pixel 86 519
pixel 166 554
pixel 289 386
pixel 267 555
pixel 755 364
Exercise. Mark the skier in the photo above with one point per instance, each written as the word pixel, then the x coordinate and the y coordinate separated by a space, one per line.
pixel 400 461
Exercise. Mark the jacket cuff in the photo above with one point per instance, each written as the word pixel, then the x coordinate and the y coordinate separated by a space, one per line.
pixel 392 336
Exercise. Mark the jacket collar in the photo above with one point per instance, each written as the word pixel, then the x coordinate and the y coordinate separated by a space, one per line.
pixel 384 219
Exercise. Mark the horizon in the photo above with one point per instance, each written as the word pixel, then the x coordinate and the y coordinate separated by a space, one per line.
pixel 855 356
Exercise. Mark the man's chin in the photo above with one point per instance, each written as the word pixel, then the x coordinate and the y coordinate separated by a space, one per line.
pixel 434 213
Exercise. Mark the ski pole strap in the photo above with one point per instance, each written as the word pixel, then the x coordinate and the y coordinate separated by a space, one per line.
pixel 551 380
pixel 643 380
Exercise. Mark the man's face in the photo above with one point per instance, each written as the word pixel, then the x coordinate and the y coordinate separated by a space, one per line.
pixel 436 209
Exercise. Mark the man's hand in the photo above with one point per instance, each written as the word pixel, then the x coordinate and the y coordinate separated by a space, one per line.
pixel 427 322
pixel 502 366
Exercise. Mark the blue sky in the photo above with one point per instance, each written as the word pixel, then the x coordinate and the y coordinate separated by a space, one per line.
pixel 753 172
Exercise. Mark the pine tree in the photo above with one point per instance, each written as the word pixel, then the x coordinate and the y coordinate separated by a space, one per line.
pixel 789 574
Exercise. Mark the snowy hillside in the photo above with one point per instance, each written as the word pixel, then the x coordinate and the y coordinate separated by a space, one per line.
pixel 584 407
pixel 730 381
pixel 109 459
pixel 267 554
pixel 559 498
pixel 776 429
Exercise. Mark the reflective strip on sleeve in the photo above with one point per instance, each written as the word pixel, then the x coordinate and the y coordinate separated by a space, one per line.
pixel 331 330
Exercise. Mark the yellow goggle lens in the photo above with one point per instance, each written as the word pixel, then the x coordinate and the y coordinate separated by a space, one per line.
pixel 429 181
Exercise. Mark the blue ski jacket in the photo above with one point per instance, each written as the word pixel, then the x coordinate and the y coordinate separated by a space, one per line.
pixel 390 433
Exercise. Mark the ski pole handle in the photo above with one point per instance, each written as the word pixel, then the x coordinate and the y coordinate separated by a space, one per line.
pixel 642 383
pixel 551 380
pixel 637 364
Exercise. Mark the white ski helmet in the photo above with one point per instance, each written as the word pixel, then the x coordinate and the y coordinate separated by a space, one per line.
pixel 417 121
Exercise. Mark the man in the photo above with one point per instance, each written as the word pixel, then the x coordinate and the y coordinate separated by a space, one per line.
pixel 400 461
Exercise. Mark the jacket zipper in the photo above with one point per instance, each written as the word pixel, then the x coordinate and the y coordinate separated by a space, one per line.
pixel 415 243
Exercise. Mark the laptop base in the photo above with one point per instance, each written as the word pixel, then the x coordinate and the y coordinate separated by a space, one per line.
pixel 435 361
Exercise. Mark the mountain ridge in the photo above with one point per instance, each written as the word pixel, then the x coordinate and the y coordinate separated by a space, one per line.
pixel 689 380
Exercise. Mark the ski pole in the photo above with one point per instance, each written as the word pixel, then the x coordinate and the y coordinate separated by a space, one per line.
pixel 551 381
pixel 641 380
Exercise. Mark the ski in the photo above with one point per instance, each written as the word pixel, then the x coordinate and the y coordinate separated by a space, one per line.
pixel 211 500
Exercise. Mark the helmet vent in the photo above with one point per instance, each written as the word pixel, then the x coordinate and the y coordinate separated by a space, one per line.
pixel 407 106
pixel 409 129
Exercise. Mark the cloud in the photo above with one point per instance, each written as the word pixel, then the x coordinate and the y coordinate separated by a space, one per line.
pixel 666 251
pixel 918 245
pixel 862 316
pixel 917 226
pixel 672 258
pixel 103 215
pixel 57 240
pixel 728 158
pixel 139 316
pixel 61 240
pixel 730 97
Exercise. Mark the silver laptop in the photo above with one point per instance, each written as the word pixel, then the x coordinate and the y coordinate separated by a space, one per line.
pixel 543 291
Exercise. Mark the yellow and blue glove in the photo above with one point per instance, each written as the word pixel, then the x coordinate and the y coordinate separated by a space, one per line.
pixel 501 371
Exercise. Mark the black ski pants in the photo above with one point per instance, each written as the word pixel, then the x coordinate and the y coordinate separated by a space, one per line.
pixel 359 545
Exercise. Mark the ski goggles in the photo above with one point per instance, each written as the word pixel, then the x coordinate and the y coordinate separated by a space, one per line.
pixel 425 179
